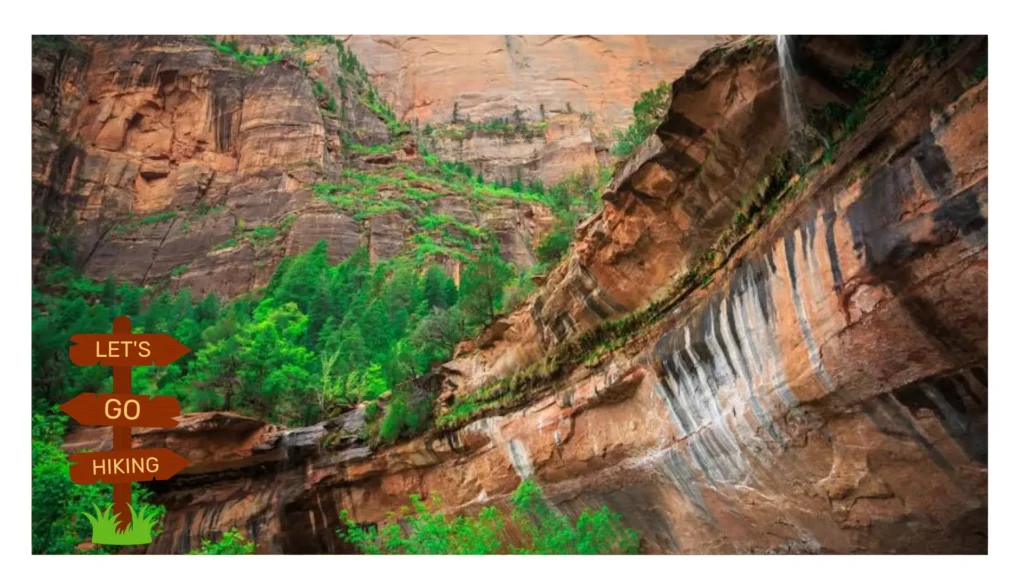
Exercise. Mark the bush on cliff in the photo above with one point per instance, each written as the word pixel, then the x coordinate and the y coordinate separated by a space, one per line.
pixel 648 112
pixel 422 528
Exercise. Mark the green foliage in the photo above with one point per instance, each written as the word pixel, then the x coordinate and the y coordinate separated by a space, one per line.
pixel 132 223
pixel 521 287
pixel 554 245
pixel 231 542
pixel 159 217
pixel 376 149
pixel 406 414
pixel 482 286
pixel 325 98
pixel 245 57
pixel 229 243
pixel 318 336
pixel 355 78
pixel 422 528
pixel 648 112
pixel 303 40
pixel 58 505
pixel 503 127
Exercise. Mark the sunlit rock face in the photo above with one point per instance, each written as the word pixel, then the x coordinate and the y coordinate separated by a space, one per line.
pixel 488 76
pixel 583 86
pixel 825 391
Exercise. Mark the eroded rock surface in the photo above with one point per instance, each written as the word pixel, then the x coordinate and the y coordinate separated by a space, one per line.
pixel 823 391
pixel 162 156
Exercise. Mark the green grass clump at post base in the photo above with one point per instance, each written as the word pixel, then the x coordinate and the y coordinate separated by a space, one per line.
pixel 140 531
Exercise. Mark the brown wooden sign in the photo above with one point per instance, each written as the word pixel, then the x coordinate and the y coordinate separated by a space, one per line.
pixel 126 349
pixel 123 410
pixel 124 466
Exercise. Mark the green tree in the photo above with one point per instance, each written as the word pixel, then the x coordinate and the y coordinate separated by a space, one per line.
pixel 407 412
pixel 438 289
pixel 436 336
pixel 276 372
pixel 554 245
pixel 648 112
pixel 482 286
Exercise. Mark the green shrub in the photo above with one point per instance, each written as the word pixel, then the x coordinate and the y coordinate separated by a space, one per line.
pixel 648 112
pixel 245 57
pixel 554 245
pixel 422 528
pixel 231 542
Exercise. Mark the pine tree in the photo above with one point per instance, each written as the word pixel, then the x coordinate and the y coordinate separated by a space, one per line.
pixel 482 286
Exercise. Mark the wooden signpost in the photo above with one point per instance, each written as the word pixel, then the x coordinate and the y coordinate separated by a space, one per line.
pixel 123 410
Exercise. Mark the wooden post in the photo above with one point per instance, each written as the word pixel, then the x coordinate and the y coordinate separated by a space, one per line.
pixel 122 434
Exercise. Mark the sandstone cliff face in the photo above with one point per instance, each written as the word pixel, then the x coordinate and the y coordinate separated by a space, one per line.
pixel 565 147
pixel 585 86
pixel 162 156
pixel 824 390
pixel 489 76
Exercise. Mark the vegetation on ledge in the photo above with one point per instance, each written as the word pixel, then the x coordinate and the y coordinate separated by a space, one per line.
pixel 648 113
pixel 421 528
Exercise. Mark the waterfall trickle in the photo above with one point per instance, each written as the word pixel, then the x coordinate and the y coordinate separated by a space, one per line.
pixel 790 97
pixel 801 134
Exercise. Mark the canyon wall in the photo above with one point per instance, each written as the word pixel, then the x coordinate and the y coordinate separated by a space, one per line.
pixel 174 164
pixel 584 87
pixel 810 375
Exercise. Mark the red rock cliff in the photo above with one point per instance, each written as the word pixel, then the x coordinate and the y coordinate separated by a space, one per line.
pixel 809 376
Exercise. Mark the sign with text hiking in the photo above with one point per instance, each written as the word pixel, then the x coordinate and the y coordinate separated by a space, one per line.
pixel 123 410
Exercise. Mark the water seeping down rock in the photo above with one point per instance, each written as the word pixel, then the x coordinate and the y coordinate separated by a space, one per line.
pixel 800 358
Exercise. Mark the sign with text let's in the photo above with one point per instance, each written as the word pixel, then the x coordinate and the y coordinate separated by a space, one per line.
pixel 126 349
pixel 123 410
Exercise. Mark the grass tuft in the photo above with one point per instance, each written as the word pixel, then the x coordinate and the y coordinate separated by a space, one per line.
pixel 140 531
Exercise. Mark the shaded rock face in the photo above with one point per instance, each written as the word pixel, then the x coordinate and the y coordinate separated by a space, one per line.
pixel 160 155
pixel 825 391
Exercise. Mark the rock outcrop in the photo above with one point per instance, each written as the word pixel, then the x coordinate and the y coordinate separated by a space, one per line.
pixel 166 159
pixel 556 149
pixel 810 371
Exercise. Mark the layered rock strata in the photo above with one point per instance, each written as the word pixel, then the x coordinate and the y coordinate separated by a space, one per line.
pixel 824 388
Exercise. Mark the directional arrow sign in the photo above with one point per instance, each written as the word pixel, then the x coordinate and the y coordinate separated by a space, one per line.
pixel 123 410
pixel 126 349
pixel 124 466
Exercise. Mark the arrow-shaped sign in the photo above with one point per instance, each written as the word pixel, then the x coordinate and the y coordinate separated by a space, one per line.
pixel 124 466
pixel 126 349
pixel 123 410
